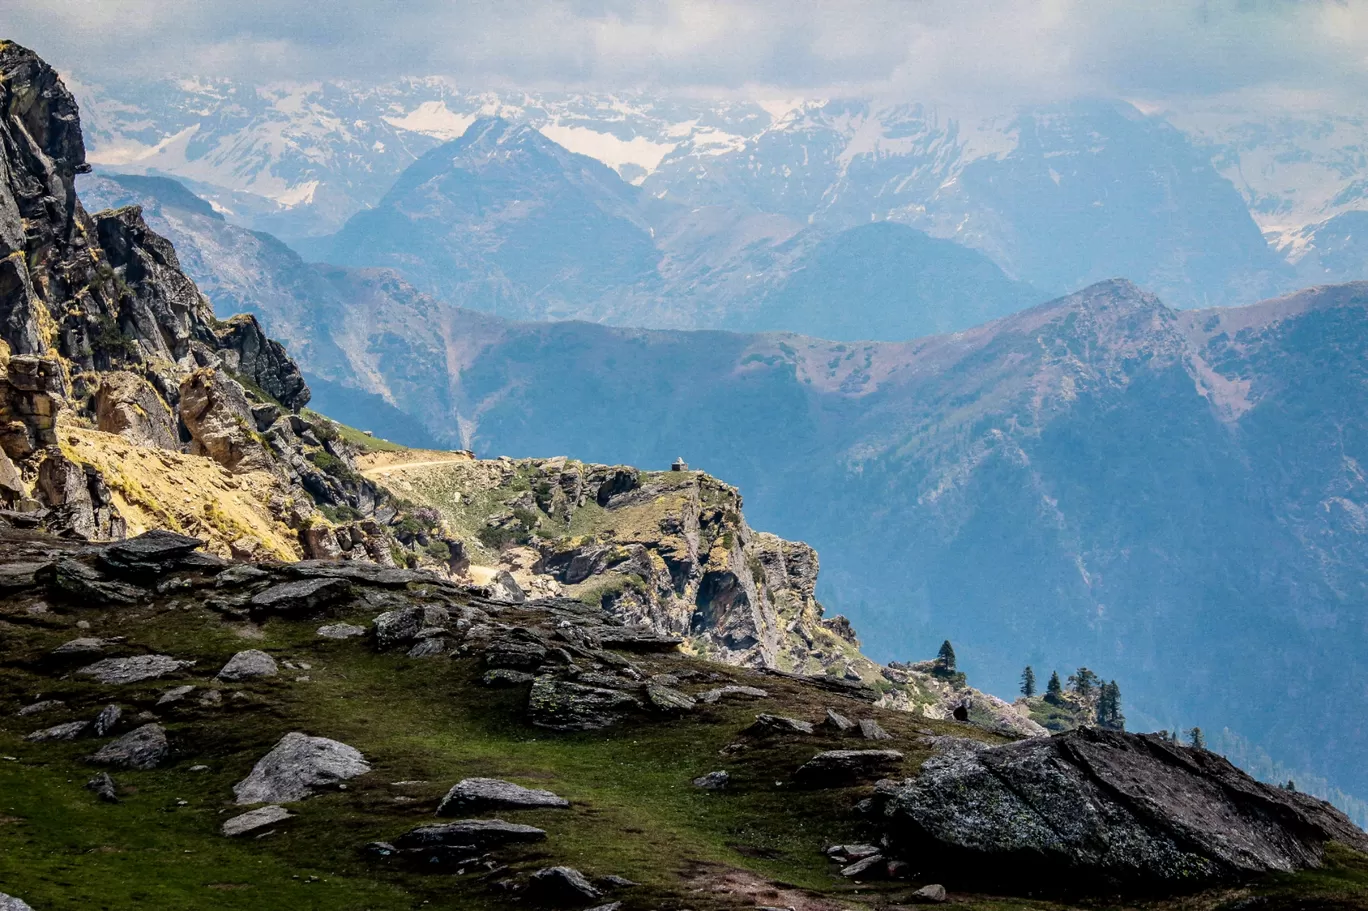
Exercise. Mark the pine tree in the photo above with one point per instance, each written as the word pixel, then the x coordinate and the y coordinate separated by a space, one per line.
pixel 1196 739
pixel 1053 691
pixel 1109 715
pixel 1082 683
pixel 1028 682
pixel 1290 786
pixel 945 658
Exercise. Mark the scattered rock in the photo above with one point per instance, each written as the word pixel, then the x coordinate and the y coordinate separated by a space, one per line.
pixel 668 699
pixel 505 677
pixel 175 694
pixel 240 574
pixel 105 721
pixel 102 786
pixel 247 665
pixel 401 626
pixel 869 868
pixel 84 646
pixel 564 706
pixel 118 671
pixel 143 748
pixel 474 795
pixel 850 853
pixel 431 647
pixel 471 834
pixel 341 631
pixel 1106 808
pixel 211 699
pixel 779 724
pixel 305 596
pixel 562 886
pixel 253 820
pixel 612 880
pixel 298 766
pixel 69 731
pixel 870 730
pixel 630 640
pixel 10 903
pixel 37 708
pixel 713 781
pixel 838 767
pixel 934 893
pixel 838 722
pixel 150 554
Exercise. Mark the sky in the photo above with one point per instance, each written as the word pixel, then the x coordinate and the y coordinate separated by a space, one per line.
pixel 1037 51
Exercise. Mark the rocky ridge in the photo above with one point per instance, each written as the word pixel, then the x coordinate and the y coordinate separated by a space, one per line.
pixel 106 346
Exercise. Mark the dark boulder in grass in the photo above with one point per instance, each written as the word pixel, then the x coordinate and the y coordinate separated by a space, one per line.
pixel 144 748
pixel 564 706
pixel 1105 809
pixel 468 834
pixel 562 886
pixel 306 596
pixel 836 768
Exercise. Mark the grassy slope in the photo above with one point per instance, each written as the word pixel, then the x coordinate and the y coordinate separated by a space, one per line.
pixel 634 811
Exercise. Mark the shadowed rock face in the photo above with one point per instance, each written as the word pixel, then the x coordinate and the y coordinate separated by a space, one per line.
pixel 1107 808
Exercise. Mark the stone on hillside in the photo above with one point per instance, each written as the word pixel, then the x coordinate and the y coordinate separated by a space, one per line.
pixel 298 766
pixel 870 730
pixel 254 820
pixel 630 640
pixel 149 554
pixel 475 834
pixel 503 676
pixel 850 853
pixel 431 647
pixel 838 767
pixel 871 867
pixel 399 627
pixel 69 731
pixel 117 671
pixel 10 903
pixel 240 574
pixel 504 589
pixel 668 699
pixel 1106 808
pixel 143 748
pixel 564 706
pixel 932 894
pixel 562 886
pixel 38 708
pixel 341 631
pixel 474 795
pixel 102 786
pixel 86 645
pixel 247 665
pixel 216 411
pixel 779 724
pixel 713 781
pixel 105 721
pixel 79 582
pixel 175 694
pixel 838 722
pixel 517 649
pixel 305 596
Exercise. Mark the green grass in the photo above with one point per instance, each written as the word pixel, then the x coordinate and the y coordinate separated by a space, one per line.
pixel 356 437
pixel 634 811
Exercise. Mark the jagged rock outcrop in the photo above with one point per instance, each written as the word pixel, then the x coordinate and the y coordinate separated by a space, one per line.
pixel 130 406
pixel 1092 807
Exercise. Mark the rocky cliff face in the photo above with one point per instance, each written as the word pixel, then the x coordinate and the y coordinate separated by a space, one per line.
pixel 104 341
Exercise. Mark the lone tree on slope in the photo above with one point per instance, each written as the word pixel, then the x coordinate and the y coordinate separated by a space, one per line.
pixel 1082 683
pixel 1028 688
pixel 1196 739
pixel 1054 692
pixel 1109 715
pixel 945 658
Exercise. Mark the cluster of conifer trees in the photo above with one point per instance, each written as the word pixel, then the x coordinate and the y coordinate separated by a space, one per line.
pixel 1087 689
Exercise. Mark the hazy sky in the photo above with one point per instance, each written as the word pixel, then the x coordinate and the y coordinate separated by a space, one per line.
pixel 1002 49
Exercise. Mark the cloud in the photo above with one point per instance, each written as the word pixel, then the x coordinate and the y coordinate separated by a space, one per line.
pixel 999 49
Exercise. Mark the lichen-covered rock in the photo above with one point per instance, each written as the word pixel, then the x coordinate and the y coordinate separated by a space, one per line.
pixel 840 767
pixel 215 410
pixel 564 706
pixel 766 723
pixel 10 903
pixel 475 834
pixel 305 596
pixel 340 631
pixel 250 354
pixel 562 886
pixel 474 795
pixel 1106 808
pixel 68 731
pixel 299 766
pixel 143 748
pixel 255 820
pixel 133 670
pixel 247 665
pixel 399 627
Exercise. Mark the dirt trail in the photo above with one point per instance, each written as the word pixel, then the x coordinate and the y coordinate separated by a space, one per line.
pixel 377 465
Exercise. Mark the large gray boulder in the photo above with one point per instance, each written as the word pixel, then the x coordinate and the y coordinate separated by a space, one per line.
pixel 144 748
pixel 10 903
pixel 474 795
pixel 248 665
pixel 297 767
pixel 841 767
pixel 564 706
pixel 471 834
pixel 1105 808
pixel 562 886
pixel 118 671
pixel 255 820
pixel 306 596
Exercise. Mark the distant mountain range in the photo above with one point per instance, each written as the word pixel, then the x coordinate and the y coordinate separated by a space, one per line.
pixel 1205 205
pixel 1174 498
